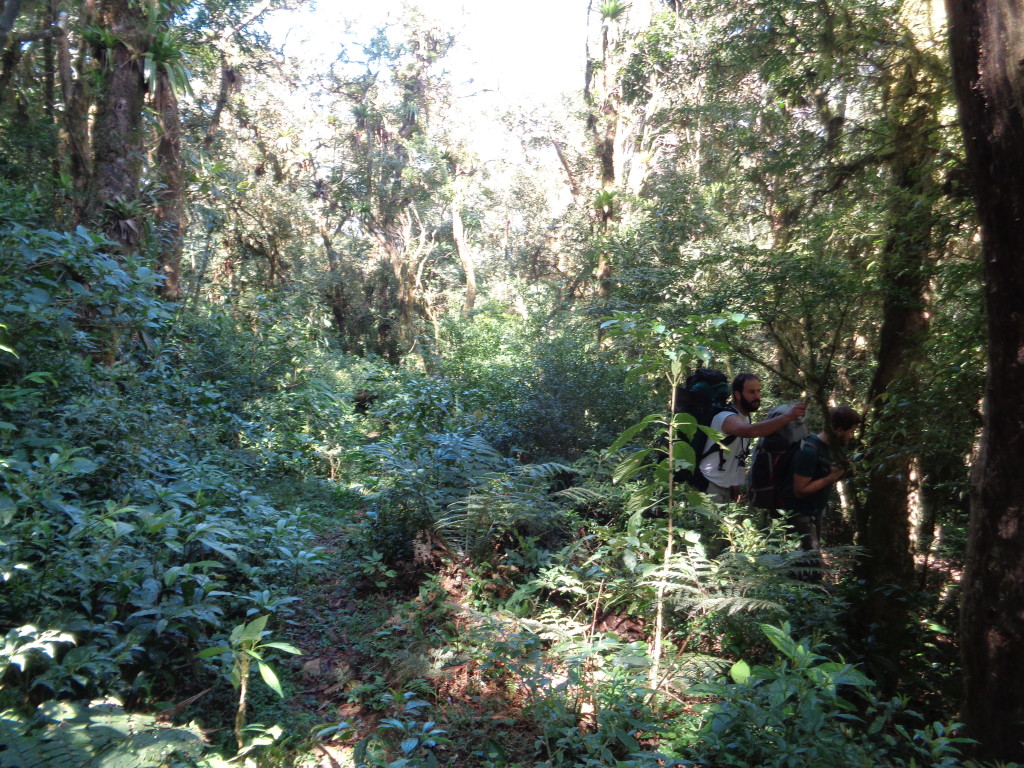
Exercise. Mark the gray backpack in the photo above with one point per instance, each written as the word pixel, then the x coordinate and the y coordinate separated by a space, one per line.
pixel 769 463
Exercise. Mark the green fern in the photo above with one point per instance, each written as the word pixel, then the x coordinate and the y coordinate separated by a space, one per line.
pixel 97 735
pixel 518 499
pixel 696 583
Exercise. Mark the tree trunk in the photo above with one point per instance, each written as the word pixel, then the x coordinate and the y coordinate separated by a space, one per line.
pixel 8 15
pixel 117 129
pixel 987 45
pixel 462 246
pixel 170 208
pixel 909 250
pixel 228 81
pixel 335 293
pixel 76 116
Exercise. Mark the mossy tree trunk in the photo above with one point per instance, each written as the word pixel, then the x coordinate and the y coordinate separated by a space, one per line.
pixel 117 134
pixel 987 46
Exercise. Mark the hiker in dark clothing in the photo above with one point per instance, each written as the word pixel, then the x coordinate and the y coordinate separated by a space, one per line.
pixel 812 474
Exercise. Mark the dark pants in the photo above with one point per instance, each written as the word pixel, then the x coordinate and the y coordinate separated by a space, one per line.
pixel 809 567
pixel 809 528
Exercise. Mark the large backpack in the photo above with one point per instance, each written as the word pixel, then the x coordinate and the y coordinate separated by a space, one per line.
pixel 771 459
pixel 704 395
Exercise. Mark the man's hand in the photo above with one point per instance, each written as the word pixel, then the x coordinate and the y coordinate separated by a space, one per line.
pixel 803 486
pixel 734 425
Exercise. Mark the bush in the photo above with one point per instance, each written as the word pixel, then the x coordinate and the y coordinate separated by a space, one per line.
pixel 807 711
pixel 545 393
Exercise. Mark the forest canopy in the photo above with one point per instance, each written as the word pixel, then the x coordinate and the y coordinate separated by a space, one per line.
pixel 340 413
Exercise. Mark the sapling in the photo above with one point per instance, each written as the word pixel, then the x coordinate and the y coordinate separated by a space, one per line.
pixel 246 646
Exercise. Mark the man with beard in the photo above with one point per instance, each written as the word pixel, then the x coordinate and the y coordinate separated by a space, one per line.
pixel 725 468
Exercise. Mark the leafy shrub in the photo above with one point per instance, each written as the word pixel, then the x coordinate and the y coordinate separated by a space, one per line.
pixel 503 503
pixel 128 542
pixel 64 292
pixel 805 710
pixel 416 477
pixel 543 392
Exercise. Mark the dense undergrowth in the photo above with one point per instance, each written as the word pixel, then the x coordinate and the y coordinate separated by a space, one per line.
pixel 222 540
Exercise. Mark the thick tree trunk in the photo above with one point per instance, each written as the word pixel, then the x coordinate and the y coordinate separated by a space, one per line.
pixel 987 45
pixel 909 251
pixel 50 64
pixel 462 246
pixel 228 81
pixel 9 11
pixel 117 129
pixel 335 293
pixel 465 258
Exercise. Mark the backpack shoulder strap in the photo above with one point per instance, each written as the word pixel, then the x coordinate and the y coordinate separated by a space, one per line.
pixel 727 440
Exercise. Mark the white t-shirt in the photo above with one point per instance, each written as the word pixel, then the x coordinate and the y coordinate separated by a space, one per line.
pixel 733 471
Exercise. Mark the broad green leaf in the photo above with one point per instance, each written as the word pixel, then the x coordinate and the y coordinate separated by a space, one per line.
pixel 8 508
pixel 283 647
pixel 37 297
pixel 780 638
pixel 844 674
pixel 251 631
pixel 270 678
pixel 740 672
pixel 630 465
pixel 80 466
pixel 629 559
pixel 685 422
pixel 682 454
pixel 632 432
pixel 121 528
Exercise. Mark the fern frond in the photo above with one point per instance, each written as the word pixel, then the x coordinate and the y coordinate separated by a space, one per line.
pixel 582 496
pixel 552 625
pixel 17 750
pixel 692 668
pixel 97 735
pixel 517 499
pixel 545 471
pixel 732 604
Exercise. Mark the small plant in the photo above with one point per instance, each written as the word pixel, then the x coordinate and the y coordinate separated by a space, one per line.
pixel 404 737
pixel 247 646
pixel 375 570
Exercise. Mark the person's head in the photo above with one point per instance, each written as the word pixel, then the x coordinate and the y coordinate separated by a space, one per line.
pixel 746 392
pixel 845 421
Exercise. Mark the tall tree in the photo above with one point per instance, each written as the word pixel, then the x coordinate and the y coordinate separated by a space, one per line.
pixel 390 173
pixel 118 42
pixel 987 46
pixel 915 89
pixel 463 247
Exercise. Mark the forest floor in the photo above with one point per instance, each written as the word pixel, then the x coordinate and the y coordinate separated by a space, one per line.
pixel 394 655
pixel 370 650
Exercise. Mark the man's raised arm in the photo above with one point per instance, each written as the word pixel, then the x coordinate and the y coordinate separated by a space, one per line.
pixel 734 425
